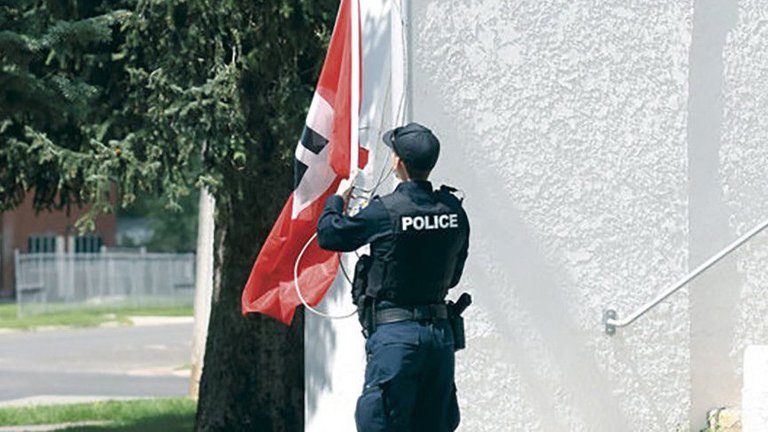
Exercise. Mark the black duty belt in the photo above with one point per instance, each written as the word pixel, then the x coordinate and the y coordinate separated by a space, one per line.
pixel 415 313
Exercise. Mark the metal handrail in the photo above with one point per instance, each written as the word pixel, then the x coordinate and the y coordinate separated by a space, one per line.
pixel 610 317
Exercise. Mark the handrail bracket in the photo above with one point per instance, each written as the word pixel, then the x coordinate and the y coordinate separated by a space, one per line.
pixel 609 317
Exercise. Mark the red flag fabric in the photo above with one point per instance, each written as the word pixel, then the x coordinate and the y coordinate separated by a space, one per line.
pixel 322 159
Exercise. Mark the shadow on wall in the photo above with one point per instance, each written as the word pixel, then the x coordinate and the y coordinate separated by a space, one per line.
pixel 715 296
pixel 320 345
pixel 544 299
pixel 320 337
pixel 541 293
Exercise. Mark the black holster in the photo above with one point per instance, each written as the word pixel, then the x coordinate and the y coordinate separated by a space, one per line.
pixel 456 321
pixel 360 279
pixel 365 304
pixel 366 314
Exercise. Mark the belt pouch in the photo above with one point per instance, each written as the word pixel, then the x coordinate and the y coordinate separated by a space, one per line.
pixel 360 279
pixel 457 326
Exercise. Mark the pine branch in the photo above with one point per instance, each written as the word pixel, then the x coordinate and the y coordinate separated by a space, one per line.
pixel 70 36
pixel 14 46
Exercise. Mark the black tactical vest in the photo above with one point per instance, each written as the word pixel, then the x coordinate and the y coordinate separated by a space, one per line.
pixel 427 240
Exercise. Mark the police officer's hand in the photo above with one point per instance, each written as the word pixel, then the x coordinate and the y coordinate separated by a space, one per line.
pixel 345 191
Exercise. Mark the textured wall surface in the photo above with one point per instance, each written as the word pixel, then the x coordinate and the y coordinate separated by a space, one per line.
pixel 743 169
pixel 565 124
pixel 605 148
pixel 744 162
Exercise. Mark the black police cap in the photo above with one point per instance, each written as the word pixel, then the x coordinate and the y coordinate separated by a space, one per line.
pixel 416 145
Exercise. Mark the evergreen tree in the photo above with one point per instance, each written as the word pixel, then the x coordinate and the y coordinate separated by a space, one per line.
pixel 58 84
pixel 163 97
pixel 234 80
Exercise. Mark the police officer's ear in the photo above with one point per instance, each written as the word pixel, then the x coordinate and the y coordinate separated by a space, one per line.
pixel 399 167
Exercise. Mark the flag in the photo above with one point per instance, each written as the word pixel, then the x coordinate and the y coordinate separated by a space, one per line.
pixel 322 159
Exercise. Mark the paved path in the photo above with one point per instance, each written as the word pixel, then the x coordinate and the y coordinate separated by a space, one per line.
pixel 142 361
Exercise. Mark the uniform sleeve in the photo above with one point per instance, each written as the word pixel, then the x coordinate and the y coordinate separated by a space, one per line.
pixel 463 254
pixel 339 232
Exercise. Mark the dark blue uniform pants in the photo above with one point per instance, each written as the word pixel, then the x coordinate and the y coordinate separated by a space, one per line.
pixel 409 379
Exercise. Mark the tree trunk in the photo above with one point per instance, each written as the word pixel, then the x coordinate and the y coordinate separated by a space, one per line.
pixel 253 373
pixel 253 378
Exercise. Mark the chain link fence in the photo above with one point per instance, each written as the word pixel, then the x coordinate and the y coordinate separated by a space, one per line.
pixel 52 281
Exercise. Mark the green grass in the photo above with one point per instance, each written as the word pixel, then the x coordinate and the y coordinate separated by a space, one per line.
pixel 146 415
pixel 82 316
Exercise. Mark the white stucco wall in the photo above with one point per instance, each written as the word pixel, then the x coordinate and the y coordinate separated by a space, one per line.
pixel 743 166
pixel 605 149
pixel 589 150
pixel 566 122
pixel 735 151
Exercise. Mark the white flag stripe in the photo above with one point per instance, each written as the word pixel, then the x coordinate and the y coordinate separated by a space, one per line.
pixel 307 157
pixel 317 179
pixel 320 116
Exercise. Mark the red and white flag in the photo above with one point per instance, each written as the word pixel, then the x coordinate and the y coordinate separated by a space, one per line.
pixel 322 159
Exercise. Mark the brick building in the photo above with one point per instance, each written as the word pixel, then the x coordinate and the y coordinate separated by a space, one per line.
pixel 23 230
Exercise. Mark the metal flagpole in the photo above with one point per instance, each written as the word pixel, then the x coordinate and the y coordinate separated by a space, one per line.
pixel 354 136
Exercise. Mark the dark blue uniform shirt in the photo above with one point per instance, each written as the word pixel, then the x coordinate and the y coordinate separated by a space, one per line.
pixel 339 232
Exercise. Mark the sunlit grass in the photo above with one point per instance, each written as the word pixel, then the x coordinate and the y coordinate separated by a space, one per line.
pixel 82 316
pixel 150 415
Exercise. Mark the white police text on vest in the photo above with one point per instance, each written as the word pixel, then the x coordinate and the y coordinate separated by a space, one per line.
pixel 430 222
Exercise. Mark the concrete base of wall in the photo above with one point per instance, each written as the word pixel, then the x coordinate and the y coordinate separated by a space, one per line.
pixel 754 413
pixel 755 391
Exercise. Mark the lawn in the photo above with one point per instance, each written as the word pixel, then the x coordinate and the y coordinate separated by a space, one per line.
pixel 145 415
pixel 82 317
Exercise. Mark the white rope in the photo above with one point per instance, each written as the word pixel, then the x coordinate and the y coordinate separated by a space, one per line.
pixel 298 290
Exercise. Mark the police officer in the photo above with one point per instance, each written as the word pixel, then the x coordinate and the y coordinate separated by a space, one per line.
pixel 419 239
